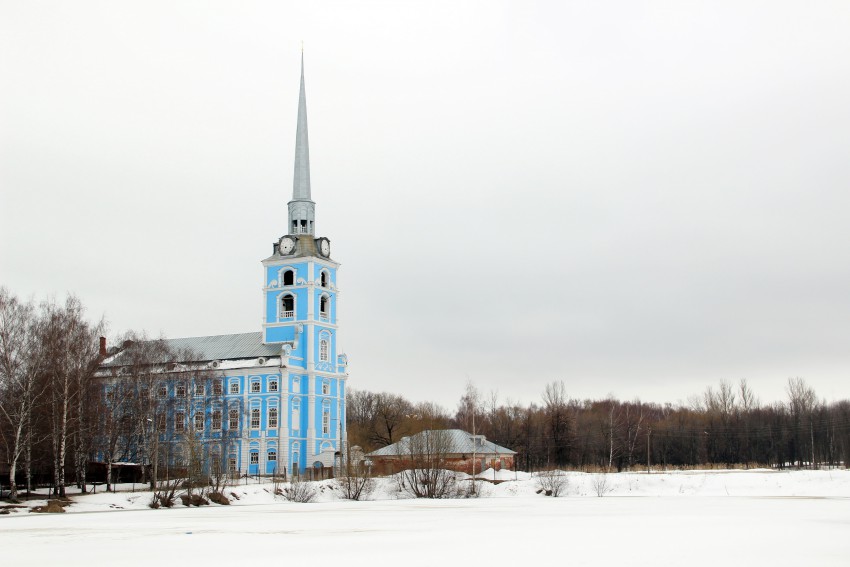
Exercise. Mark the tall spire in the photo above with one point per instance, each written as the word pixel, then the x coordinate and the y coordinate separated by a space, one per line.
pixel 302 209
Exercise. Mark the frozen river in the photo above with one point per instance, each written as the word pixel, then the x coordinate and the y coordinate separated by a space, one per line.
pixel 520 530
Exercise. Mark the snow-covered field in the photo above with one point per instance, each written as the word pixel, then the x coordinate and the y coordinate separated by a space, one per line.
pixel 682 518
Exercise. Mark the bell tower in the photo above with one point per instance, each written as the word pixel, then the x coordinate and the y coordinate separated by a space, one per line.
pixel 300 318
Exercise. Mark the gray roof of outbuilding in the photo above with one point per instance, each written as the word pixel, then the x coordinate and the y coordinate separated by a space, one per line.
pixel 217 347
pixel 459 441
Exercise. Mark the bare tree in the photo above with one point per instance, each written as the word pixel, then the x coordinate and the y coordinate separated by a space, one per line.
pixel 801 404
pixel 355 480
pixel 21 361
pixel 556 407
pixel 426 475
pixel 73 355
pixel 391 416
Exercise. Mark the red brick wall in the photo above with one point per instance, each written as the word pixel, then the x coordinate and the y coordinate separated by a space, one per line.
pixel 388 465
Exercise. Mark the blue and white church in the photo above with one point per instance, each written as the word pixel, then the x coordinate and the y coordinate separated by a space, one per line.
pixel 276 398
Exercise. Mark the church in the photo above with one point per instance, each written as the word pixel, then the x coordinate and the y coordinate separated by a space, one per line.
pixel 272 401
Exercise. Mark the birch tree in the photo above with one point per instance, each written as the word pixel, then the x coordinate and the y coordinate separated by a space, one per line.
pixel 21 360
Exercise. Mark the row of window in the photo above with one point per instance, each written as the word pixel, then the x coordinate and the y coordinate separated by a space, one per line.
pixel 255 457
pixel 215 420
pixel 287 307
pixel 255 387
pixel 200 389
pixel 287 277
pixel 233 419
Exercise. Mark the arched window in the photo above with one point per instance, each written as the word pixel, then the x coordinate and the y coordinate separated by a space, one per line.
pixel 287 277
pixel 255 418
pixel 287 306
pixel 272 418
pixel 325 307
pixel 324 350
pixel 324 278
pixel 233 419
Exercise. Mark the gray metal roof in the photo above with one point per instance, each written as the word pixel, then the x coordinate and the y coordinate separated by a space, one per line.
pixel 221 347
pixel 458 440
pixel 217 347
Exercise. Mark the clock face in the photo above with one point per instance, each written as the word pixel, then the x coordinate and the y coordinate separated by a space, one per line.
pixel 325 247
pixel 286 245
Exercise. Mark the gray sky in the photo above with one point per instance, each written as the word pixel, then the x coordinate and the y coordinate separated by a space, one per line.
pixel 638 198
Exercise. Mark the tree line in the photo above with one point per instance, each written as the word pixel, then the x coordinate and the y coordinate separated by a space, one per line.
pixel 61 408
pixel 726 426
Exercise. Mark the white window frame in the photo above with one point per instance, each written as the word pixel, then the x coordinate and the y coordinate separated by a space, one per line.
pixel 325 314
pixel 326 387
pixel 179 421
pixel 215 420
pixel 326 421
pixel 254 457
pixel 324 349
pixel 199 423
pixel 256 388
pixel 273 384
pixel 234 387
pixel 218 387
pixel 282 275
pixel 180 390
pixel 230 420
pixel 281 313
pixel 271 455
pixel 255 418
pixel 272 418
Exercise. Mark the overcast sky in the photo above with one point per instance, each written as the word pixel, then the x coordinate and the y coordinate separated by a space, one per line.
pixel 638 198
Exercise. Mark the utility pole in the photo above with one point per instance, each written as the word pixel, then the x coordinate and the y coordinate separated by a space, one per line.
pixel 648 435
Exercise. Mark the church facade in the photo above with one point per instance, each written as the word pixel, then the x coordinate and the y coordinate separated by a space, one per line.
pixel 273 401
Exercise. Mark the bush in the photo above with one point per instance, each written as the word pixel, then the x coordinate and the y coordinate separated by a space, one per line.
pixel 299 491
pixel 218 498
pixel 193 500
pixel 552 483
pixel 601 485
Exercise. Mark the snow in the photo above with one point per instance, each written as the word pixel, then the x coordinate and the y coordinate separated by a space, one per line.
pixel 697 518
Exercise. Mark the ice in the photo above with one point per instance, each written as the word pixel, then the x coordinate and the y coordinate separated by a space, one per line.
pixel 695 518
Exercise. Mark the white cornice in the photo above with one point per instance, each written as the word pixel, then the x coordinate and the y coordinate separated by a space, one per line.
pixel 296 259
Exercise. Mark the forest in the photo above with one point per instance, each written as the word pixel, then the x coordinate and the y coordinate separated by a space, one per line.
pixel 725 426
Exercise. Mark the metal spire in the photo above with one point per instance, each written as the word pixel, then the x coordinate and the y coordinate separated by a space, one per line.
pixel 301 186
pixel 301 207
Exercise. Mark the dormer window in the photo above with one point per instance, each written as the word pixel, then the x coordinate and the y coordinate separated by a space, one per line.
pixel 287 306
pixel 288 277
